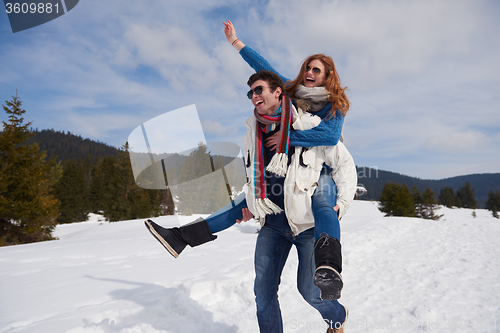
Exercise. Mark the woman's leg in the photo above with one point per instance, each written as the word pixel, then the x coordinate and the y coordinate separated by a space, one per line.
pixel 327 248
pixel 227 216
pixel 326 220
pixel 200 231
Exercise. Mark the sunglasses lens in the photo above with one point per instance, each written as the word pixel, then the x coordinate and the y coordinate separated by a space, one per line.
pixel 315 70
pixel 257 91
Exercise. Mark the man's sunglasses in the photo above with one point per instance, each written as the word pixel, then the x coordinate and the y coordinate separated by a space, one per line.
pixel 315 70
pixel 257 90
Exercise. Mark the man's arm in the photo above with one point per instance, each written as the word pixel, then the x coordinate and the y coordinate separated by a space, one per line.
pixel 247 215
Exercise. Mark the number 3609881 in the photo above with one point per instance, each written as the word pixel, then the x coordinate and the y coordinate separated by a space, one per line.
pixel 32 8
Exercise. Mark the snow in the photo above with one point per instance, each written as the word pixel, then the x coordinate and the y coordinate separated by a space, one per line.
pixel 401 275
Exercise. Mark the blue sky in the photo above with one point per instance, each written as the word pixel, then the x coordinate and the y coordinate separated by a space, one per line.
pixel 423 76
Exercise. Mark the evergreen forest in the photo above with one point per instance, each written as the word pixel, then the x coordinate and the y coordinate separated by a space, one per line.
pixel 49 177
pixel 374 181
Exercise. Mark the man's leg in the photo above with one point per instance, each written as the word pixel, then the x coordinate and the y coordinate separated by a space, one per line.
pixel 271 252
pixel 332 311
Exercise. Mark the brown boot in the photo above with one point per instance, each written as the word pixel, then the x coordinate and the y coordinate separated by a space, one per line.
pixel 341 329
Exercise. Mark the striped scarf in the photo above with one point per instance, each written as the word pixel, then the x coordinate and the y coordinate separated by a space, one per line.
pixel 279 162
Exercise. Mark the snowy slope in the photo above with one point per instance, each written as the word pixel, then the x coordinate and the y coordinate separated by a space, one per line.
pixel 401 275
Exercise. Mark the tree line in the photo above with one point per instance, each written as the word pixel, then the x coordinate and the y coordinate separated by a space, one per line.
pixel 107 187
pixel 399 200
pixel 37 192
pixel 374 179
pixel 67 146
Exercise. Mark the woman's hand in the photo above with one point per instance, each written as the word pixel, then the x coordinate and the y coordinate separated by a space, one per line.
pixel 230 33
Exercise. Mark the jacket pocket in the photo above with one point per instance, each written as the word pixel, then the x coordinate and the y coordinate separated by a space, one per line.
pixel 305 186
pixel 302 201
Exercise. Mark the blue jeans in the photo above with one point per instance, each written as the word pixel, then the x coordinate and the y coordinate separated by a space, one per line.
pixel 324 198
pixel 271 252
pixel 227 215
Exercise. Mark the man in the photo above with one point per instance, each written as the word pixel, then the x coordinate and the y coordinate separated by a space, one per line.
pixel 283 209
pixel 276 237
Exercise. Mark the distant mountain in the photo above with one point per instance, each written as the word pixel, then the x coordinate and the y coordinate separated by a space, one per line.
pixel 65 146
pixel 374 181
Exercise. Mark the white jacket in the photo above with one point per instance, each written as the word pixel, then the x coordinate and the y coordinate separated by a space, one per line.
pixel 300 182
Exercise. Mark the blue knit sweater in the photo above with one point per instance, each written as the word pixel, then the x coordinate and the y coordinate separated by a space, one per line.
pixel 327 133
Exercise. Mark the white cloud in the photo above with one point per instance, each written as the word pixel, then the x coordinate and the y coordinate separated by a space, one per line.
pixel 375 41
pixel 100 126
pixel 216 128
pixel 423 75
pixel 175 53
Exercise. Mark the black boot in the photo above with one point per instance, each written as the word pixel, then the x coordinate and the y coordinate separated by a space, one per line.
pixel 328 258
pixel 174 240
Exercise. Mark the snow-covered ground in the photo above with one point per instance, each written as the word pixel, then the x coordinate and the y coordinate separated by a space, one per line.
pixel 401 275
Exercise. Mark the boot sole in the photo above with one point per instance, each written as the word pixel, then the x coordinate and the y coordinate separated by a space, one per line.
pixel 160 239
pixel 329 281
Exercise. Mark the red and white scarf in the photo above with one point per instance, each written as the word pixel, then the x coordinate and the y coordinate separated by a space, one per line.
pixel 279 162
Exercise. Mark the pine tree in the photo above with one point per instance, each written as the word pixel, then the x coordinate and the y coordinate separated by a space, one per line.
pixel 72 192
pixel 115 194
pixel 97 187
pixel 139 202
pixel 396 200
pixel 493 203
pixel 201 190
pixel 28 210
pixel 167 206
pixel 467 196
pixel 429 206
pixel 448 198
pixel 417 201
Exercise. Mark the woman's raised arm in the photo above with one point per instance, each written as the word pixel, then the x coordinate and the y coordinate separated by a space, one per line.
pixel 252 58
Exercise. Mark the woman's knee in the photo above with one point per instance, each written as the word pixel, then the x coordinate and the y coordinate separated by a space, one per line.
pixel 321 202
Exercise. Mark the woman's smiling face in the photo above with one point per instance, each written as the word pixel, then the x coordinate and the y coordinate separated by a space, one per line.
pixel 311 77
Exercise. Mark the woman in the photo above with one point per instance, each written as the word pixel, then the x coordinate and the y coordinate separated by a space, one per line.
pixel 316 89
